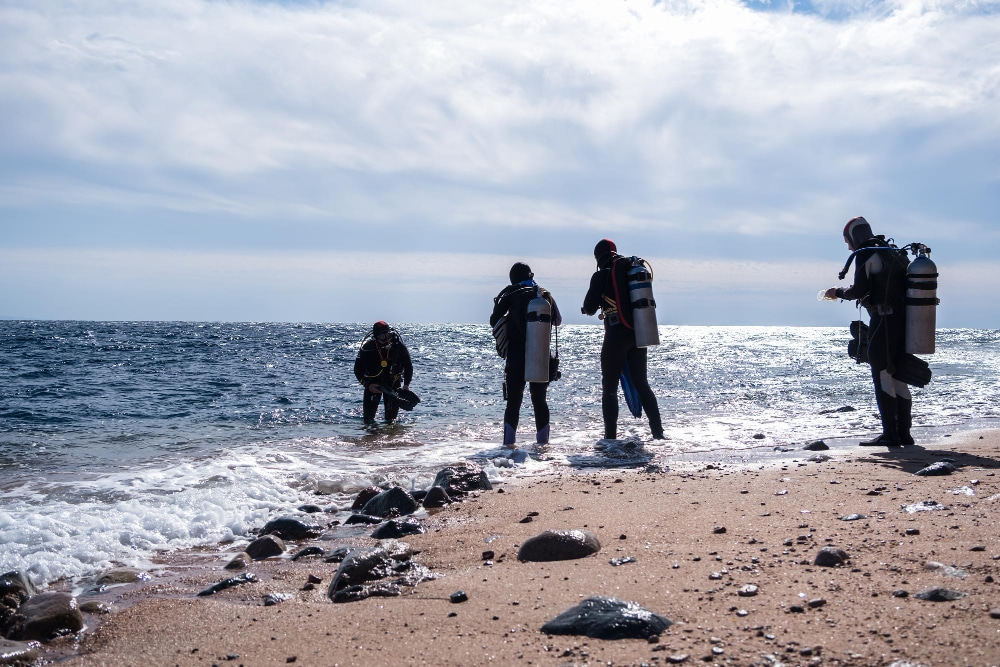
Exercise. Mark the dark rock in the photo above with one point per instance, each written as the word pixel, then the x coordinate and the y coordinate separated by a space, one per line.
pixel 363 518
pixel 900 593
pixel 89 607
pixel 797 609
pixel 17 584
pixel 288 528
pixel 845 408
pixel 356 593
pixel 461 478
pixel 816 603
pixel 939 468
pixel 396 501
pixel 272 599
pixel 939 595
pixel 527 519
pixel 995 613
pixel 853 517
pixel 831 557
pixel 364 495
pixel 912 531
pixel 17 653
pixel 313 579
pixel 122 575
pixel 45 616
pixel 311 509
pixel 267 546
pixel 308 551
pixel 719 530
pixel 458 596
pixel 978 547
pixel 239 562
pixel 394 529
pixel 759 436
pixel 489 554
pixel 559 545
pixel 364 565
pixel 339 554
pixel 436 497
pixel 817 446
pixel 608 618
pixel 245 578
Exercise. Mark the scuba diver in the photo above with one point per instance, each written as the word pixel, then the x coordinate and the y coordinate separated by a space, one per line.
pixel 513 303
pixel 609 293
pixel 880 286
pixel 382 362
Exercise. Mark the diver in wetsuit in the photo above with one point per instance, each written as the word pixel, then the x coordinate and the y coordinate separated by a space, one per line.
pixel 609 293
pixel 880 286
pixel 513 302
pixel 382 360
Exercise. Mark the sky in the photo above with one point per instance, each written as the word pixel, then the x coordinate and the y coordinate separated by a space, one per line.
pixel 323 161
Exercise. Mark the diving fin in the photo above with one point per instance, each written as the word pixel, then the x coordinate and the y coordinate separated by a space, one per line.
pixel 406 398
pixel 631 393
pixel 912 370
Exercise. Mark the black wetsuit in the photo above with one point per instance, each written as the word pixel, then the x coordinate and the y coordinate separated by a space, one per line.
pixel 880 286
pixel 513 302
pixel 368 369
pixel 609 292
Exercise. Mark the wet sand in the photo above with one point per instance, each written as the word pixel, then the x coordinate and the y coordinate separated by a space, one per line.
pixel 776 517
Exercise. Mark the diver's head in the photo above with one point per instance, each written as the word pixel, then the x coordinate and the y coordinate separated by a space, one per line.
pixel 856 232
pixel 603 247
pixel 520 272
pixel 381 332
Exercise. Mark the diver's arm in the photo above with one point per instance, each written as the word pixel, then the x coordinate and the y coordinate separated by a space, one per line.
pixel 407 366
pixel 500 307
pixel 861 285
pixel 592 302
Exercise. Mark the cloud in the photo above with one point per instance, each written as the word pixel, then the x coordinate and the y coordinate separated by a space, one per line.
pixel 532 112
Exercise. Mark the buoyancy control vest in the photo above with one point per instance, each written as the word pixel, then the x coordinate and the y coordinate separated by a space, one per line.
pixel 902 286
pixel 628 299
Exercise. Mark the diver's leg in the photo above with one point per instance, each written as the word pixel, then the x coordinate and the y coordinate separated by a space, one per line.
pixel 515 395
pixel 369 405
pixel 637 367
pixel 538 391
pixel 612 359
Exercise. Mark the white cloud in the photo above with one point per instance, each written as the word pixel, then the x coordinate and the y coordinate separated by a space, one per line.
pixel 329 109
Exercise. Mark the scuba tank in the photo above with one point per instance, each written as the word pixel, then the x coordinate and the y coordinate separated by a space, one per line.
pixel 921 301
pixel 640 292
pixel 538 336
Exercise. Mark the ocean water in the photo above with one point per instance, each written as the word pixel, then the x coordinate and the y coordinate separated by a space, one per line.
pixel 121 441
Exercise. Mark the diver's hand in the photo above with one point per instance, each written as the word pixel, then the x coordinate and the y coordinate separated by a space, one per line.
pixel 374 388
pixel 831 294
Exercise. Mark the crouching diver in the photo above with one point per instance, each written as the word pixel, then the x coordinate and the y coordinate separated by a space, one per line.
pixel 382 360
pixel 609 293
pixel 512 303
pixel 880 286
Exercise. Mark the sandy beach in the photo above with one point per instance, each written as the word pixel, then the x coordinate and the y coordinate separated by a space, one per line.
pixel 699 533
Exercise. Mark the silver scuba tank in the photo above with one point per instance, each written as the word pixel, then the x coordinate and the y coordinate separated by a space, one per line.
pixel 921 302
pixel 640 292
pixel 538 336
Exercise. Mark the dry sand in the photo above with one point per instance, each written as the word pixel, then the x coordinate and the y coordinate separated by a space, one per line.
pixel 775 517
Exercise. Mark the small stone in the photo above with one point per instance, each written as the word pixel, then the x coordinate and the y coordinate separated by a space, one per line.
pixel 748 591
pixel 759 436
pixel 900 593
pixel 939 595
pixel 995 613
pixel 978 547
pixel 458 596
pixel 797 609
pixel 939 468
pixel 488 555
pixel 853 517
pixel 817 603
pixel 831 557
pixel 677 658
pixel 264 547
pixel 912 531
pixel 719 530
pixel 239 562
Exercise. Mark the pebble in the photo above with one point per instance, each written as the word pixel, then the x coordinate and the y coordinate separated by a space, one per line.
pixel 748 591
pixel 853 517
pixel 939 595
pixel 939 468
pixel 831 557
pixel 719 530
pixel 995 613
pixel 923 506
pixel 608 618
pixel 458 596
pixel 553 545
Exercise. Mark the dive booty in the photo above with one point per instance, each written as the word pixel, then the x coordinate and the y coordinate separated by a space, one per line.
pixel 883 440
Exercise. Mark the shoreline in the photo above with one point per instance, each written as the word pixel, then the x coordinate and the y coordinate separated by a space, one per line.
pixel 776 517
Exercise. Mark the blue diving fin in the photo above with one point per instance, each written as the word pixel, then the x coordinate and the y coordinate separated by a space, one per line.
pixel 631 393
